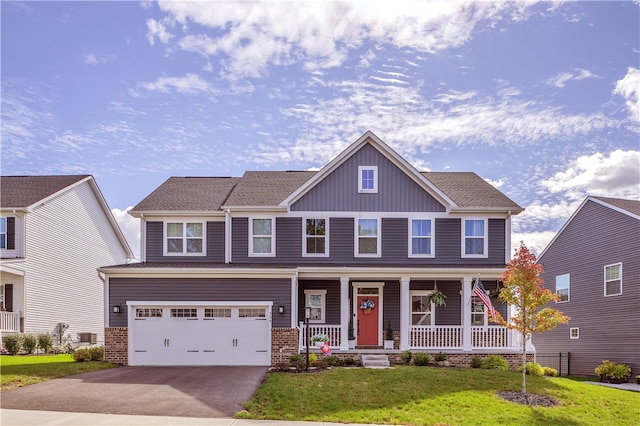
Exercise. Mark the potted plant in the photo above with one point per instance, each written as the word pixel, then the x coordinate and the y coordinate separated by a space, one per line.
pixel 319 339
pixel 388 336
pixel 352 336
pixel 638 379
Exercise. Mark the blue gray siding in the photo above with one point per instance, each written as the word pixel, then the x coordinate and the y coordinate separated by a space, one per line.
pixel 396 191
pixel 597 236
pixel 277 290
pixel 332 301
pixel 215 244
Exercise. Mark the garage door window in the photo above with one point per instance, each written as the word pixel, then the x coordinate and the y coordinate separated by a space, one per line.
pixel 252 313
pixel 184 313
pixel 217 312
pixel 148 313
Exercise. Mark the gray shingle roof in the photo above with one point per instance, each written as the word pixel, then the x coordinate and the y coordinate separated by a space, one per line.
pixel 632 206
pixel 24 191
pixel 267 188
pixel 468 190
pixel 188 194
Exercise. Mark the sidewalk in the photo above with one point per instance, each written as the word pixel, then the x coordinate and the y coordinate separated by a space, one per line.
pixel 37 418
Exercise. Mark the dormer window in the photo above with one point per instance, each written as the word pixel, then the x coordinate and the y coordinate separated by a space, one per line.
pixel 368 179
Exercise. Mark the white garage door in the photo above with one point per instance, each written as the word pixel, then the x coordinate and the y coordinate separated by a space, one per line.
pixel 200 335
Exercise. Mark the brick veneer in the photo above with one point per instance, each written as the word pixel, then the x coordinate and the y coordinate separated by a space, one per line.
pixel 115 345
pixel 284 343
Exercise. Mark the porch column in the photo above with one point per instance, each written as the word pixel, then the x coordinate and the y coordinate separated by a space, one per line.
pixel 467 283
pixel 344 313
pixel 405 314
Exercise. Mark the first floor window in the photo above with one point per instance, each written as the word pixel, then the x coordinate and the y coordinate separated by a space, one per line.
pixel 421 313
pixel 185 238
pixel 368 243
pixel 474 237
pixel 562 287
pixel 315 237
pixel 574 333
pixel 315 299
pixel 613 279
pixel 1 296
pixel 478 318
pixel 262 239
pixel 421 238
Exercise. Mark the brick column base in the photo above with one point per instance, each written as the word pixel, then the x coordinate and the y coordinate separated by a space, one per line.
pixel 116 345
pixel 284 343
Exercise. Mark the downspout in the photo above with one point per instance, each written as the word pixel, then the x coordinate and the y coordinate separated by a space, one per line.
pixel 143 238
pixel 507 237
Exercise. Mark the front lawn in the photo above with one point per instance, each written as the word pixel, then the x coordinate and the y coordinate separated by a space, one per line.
pixel 425 396
pixel 22 370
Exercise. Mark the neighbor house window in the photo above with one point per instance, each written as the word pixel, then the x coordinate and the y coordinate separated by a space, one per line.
pixel 262 240
pixel 368 237
pixel 184 238
pixel 421 312
pixel 574 333
pixel 613 279
pixel 3 232
pixel 368 179
pixel 474 238
pixel 316 300
pixel 421 238
pixel 562 287
pixel 315 240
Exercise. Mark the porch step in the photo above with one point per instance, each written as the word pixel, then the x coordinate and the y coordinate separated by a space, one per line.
pixel 375 361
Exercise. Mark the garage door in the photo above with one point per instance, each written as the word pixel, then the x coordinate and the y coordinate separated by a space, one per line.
pixel 200 335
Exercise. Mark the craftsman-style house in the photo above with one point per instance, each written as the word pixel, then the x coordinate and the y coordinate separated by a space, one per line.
pixel 229 264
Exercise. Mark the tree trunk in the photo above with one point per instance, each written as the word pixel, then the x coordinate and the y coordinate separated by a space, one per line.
pixel 524 363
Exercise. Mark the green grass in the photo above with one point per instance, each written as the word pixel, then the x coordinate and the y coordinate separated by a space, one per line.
pixel 17 370
pixel 427 396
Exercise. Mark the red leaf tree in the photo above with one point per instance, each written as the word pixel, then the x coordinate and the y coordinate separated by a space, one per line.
pixel 523 289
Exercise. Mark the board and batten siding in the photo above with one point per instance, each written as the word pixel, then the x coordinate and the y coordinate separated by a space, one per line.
pixel 277 290
pixel 397 192
pixel 155 244
pixel 595 237
pixel 67 239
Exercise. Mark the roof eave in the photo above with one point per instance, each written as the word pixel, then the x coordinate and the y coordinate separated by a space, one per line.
pixel 189 213
pixel 275 209
pixel 512 211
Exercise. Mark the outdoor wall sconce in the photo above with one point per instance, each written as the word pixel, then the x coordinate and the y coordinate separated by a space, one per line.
pixel 116 309
pixel 281 309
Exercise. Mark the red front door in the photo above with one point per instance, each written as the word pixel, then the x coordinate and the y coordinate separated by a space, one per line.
pixel 368 326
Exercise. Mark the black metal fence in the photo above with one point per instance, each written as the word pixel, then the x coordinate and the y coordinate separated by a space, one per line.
pixel 561 361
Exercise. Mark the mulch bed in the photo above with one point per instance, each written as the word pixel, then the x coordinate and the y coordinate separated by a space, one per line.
pixel 532 399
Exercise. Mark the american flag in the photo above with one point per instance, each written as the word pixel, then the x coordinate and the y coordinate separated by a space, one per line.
pixel 480 293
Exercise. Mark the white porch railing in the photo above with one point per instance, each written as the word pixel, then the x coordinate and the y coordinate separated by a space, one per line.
pixel 330 330
pixel 439 336
pixel 489 337
pixel 10 321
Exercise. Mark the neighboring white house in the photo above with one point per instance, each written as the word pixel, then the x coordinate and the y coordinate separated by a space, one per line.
pixel 55 231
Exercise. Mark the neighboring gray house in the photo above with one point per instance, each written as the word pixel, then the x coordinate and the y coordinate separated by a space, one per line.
pixel 54 232
pixel 229 264
pixel 593 263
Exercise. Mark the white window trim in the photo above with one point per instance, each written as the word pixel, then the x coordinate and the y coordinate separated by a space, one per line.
pixel 485 247
pixel 568 288
pixel 273 237
pixel 484 311
pixel 165 237
pixel 432 238
pixel 605 279
pixel 375 180
pixel 304 237
pixel 432 308
pixel 577 336
pixel 378 238
pixel 323 299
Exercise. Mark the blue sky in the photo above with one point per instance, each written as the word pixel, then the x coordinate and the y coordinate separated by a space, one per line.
pixel 539 98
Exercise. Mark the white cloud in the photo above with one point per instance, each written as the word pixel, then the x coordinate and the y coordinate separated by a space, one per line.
pixel 535 241
pixel 130 227
pixel 189 84
pixel 159 30
pixel 561 79
pixel 629 88
pixel 95 59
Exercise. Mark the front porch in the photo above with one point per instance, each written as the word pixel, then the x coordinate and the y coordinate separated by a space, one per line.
pixel 9 322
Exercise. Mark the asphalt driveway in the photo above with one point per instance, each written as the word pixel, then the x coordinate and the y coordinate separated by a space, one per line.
pixel 154 391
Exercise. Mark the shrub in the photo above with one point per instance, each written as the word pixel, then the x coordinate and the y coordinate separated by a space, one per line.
pixel 321 363
pixel 476 362
pixel 295 358
pixel 333 361
pixel 421 358
pixel 439 357
pixel 533 369
pixel 495 362
pixel 45 342
pixel 12 343
pixel 29 343
pixel 96 353
pixel 313 359
pixel 551 372
pixel 81 355
pixel 405 356
pixel 350 361
pixel 613 371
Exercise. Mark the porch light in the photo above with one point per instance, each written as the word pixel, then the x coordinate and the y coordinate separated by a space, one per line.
pixel 307 312
pixel 281 309
pixel 116 309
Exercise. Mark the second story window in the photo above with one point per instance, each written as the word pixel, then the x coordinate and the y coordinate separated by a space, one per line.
pixel 368 179
pixel 474 239
pixel 562 287
pixel 184 238
pixel 315 239
pixel 261 239
pixel 613 279
pixel 368 237
pixel 421 238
